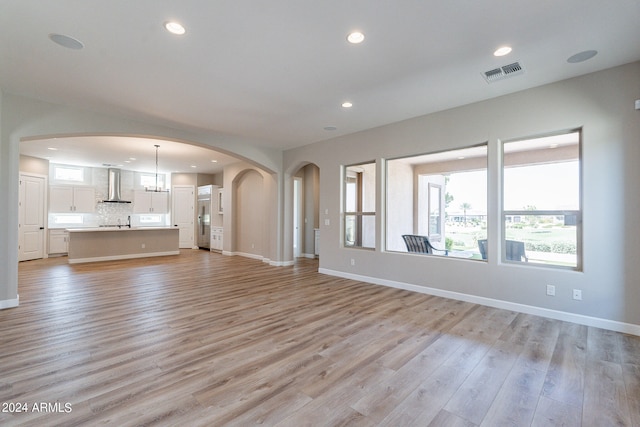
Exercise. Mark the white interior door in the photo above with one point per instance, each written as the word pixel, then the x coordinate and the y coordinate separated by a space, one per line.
pixel 183 213
pixel 31 217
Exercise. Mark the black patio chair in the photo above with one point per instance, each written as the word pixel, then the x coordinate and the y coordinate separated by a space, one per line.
pixel 514 250
pixel 420 244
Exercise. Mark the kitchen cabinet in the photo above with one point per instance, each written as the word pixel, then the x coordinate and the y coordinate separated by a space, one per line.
pixel 151 202
pixel 58 242
pixel 216 238
pixel 67 198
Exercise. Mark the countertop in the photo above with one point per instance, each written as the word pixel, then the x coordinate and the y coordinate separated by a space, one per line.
pixel 124 228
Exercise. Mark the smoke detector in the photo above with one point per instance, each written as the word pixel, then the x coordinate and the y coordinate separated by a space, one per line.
pixel 501 73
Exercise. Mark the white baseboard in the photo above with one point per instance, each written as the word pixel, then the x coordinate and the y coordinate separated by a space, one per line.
pixel 244 254
pixel 117 257
pixel 9 303
pixel 260 258
pixel 627 328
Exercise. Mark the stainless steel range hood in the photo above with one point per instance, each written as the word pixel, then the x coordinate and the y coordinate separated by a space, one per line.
pixel 115 191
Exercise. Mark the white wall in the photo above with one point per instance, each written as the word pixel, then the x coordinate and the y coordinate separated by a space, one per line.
pixel 603 105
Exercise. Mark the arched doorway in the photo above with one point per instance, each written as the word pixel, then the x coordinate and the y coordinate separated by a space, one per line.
pixel 306 211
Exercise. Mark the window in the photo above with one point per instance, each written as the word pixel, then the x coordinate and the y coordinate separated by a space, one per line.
pixel 148 181
pixel 68 173
pixel 152 219
pixel 442 196
pixel 435 211
pixel 61 219
pixel 542 213
pixel 360 205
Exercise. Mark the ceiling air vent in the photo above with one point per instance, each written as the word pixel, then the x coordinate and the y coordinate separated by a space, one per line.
pixel 503 72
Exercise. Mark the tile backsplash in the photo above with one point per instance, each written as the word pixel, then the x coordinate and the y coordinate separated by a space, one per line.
pixel 105 213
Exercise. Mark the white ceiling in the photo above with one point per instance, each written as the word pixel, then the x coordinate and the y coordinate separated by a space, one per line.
pixel 138 154
pixel 275 73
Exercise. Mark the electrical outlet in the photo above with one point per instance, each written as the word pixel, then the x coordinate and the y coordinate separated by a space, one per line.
pixel 353 261
pixel 577 294
pixel 551 290
pixel 143 246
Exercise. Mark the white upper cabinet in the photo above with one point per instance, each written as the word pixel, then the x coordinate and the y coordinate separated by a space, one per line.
pixel 151 202
pixel 66 198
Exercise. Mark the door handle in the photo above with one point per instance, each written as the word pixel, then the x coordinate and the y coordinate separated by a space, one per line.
pixel 41 228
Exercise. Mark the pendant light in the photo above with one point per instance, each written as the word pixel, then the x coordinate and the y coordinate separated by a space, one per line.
pixel 157 188
pixel 157 146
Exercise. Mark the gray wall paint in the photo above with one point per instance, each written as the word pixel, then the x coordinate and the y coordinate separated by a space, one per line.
pixel 34 165
pixel 249 209
pixel 602 104
pixel 311 208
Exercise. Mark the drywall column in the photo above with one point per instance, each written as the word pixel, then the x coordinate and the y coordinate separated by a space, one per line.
pixel 9 160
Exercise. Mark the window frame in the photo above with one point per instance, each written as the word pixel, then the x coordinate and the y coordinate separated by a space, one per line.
pixel 156 181
pixel 359 213
pixel 462 155
pixel 68 179
pixel 435 188
pixel 578 214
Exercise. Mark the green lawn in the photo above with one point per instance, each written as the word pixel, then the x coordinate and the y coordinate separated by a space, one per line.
pixel 540 242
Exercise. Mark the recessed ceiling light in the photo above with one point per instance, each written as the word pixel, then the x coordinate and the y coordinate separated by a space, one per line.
pixel 52 148
pixel 214 161
pixel 66 41
pixel 347 104
pixel 355 37
pixel 502 51
pixel 194 166
pixel 132 158
pixel 174 28
pixel 582 56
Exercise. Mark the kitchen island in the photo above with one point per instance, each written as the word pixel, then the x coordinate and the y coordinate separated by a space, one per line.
pixel 113 243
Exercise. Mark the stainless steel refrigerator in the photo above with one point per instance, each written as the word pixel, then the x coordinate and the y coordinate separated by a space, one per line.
pixel 205 204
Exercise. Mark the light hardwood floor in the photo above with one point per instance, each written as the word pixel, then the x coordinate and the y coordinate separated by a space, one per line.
pixel 205 339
